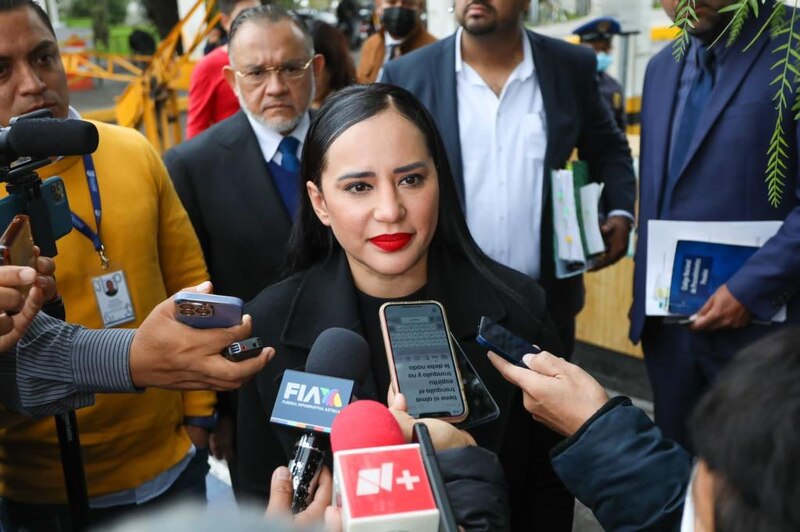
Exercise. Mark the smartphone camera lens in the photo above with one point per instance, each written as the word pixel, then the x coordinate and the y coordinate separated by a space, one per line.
pixel 194 308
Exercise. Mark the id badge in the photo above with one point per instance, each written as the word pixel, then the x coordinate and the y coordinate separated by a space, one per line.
pixel 113 298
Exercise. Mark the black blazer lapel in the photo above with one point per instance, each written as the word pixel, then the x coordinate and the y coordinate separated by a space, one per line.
pixel 250 176
pixel 326 298
pixel 445 109
pixel 547 76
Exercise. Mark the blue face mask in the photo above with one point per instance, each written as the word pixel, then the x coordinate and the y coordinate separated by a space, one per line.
pixel 603 61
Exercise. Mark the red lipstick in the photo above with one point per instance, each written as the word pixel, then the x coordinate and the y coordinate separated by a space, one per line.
pixel 391 243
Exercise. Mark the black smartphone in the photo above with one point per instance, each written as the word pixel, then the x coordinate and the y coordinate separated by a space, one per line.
pixel 422 359
pixel 447 521
pixel 482 406
pixel 508 345
pixel 238 351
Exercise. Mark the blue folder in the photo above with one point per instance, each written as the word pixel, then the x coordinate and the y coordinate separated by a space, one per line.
pixel 699 269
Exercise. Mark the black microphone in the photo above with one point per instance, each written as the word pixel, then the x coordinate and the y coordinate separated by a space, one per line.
pixel 337 353
pixel 46 137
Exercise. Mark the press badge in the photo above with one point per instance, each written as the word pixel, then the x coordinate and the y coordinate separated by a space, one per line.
pixel 113 298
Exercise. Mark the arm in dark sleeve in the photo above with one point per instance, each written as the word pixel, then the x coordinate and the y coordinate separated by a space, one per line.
pixel 57 366
pixel 476 488
pixel 258 449
pixel 621 467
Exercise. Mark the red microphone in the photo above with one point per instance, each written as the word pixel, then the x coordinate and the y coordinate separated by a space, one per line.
pixel 379 481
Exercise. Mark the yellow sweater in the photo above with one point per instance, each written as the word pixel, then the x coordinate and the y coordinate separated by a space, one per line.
pixel 127 439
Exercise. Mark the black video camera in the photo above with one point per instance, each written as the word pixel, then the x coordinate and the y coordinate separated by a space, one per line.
pixel 29 143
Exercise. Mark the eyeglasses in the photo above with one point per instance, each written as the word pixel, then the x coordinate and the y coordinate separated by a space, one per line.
pixel 292 70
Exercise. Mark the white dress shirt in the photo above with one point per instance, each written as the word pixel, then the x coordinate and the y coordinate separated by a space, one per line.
pixel 503 143
pixel 268 139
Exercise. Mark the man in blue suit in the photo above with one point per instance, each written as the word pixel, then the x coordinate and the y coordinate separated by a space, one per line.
pixel 707 121
pixel 512 105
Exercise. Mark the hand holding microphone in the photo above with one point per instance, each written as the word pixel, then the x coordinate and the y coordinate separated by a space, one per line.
pixel 338 361
pixel 381 483
pixel 281 494
pixel 443 434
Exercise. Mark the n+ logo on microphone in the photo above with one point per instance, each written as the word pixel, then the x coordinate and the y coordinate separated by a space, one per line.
pixel 407 479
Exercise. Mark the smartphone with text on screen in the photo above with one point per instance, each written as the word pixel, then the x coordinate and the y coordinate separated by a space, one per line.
pixel 422 359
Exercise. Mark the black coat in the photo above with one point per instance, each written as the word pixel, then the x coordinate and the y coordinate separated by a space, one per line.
pixel 291 314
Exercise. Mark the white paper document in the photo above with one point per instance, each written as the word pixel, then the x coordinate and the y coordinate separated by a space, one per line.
pixel 663 236
pixel 590 201
pixel 565 218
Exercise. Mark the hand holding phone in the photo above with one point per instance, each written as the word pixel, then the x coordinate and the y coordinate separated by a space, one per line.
pixel 238 351
pixel 208 311
pixel 16 246
pixel 422 360
pixel 508 345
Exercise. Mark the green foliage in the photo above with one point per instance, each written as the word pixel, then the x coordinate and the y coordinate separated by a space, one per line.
pixel 86 8
pixel 740 10
pixel 786 65
pixel 685 17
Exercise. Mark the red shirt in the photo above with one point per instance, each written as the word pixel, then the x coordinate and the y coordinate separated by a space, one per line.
pixel 211 99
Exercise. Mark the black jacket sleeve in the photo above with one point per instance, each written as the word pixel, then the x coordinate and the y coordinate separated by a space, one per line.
pixel 621 467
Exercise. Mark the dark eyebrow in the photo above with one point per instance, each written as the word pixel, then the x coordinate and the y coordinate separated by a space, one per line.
pixel 44 46
pixel 409 167
pixel 356 175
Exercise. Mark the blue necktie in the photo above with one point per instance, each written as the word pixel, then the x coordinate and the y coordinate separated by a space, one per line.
pixel 288 150
pixel 696 101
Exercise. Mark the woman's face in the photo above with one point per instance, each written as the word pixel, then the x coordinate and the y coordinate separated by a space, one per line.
pixel 380 197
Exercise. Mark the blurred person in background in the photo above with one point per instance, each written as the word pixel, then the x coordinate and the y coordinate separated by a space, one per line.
pixel 340 70
pixel 216 37
pixel 597 34
pixel 401 32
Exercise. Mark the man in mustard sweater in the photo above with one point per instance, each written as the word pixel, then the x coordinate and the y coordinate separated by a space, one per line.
pixel 131 230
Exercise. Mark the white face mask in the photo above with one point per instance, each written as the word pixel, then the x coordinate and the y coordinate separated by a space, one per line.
pixel 687 521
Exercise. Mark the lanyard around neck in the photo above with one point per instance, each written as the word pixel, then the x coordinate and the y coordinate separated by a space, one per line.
pixel 97 209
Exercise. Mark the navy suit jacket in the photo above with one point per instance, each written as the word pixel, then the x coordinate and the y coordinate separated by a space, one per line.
pixel 723 176
pixel 576 118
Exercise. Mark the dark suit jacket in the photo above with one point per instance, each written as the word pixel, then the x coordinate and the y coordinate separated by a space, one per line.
pixel 291 314
pixel 240 220
pixel 576 117
pixel 722 178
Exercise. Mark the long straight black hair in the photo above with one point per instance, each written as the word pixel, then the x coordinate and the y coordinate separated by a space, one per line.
pixel 312 242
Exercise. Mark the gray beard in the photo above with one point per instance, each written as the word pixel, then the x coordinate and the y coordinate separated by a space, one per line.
pixel 282 126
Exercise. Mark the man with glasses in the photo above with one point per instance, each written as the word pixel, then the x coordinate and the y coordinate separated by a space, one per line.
pixel 239 179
